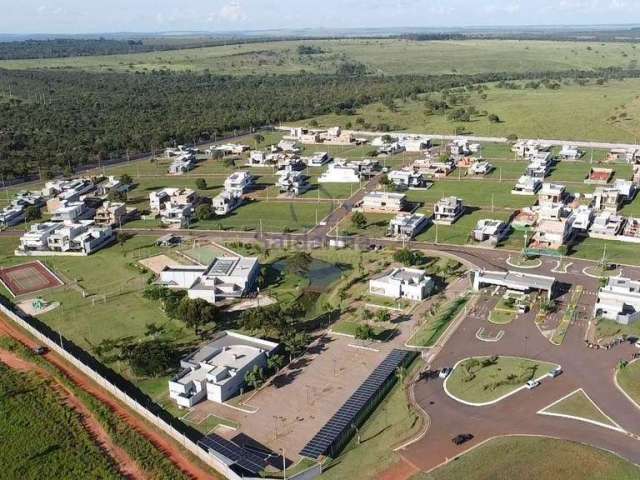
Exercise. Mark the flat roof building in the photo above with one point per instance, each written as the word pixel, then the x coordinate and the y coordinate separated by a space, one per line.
pixel 384 202
pixel 409 283
pixel 619 301
pixel 491 231
pixel 407 225
pixel 519 281
pixel 447 210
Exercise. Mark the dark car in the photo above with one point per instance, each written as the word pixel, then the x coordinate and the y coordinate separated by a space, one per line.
pixel 462 438
pixel 40 350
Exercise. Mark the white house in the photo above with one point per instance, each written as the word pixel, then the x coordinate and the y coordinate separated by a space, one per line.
pixel 407 225
pixel 258 158
pixel 570 152
pixel 12 215
pixel 619 301
pixel 447 210
pixel 552 234
pixel 337 173
pixel 216 371
pixel 415 143
pixel 407 179
pixel 318 159
pixel 409 283
pixel 582 218
pixel 159 199
pixel 491 231
pixel 390 202
pixel 292 182
pixel 606 225
pixel 526 186
pixel 481 168
pixel 225 202
pixel 182 164
pixel 176 214
pixel 79 238
pixel 607 199
pixel 72 211
pixel 552 194
pixel 60 192
pixel 224 277
pixel 239 182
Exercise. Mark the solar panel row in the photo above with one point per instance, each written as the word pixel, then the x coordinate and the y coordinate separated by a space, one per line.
pixel 346 416
pixel 236 454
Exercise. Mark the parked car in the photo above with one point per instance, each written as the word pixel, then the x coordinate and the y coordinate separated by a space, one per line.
pixel 531 384
pixel 462 438
pixel 555 372
pixel 40 350
pixel 444 373
pixel 637 344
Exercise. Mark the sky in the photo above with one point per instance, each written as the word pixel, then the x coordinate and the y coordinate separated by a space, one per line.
pixel 101 16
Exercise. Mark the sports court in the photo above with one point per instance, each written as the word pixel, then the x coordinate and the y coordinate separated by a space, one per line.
pixel 28 278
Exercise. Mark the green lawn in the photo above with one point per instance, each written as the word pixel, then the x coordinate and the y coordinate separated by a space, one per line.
pixel 41 436
pixel 435 325
pixel 390 56
pixel 569 313
pixel 629 380
pixel 579 405
pixel 480 380
pixel 511 458
pixel 390 424
pixel 524 112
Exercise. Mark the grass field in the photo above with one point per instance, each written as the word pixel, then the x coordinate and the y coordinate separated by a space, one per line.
pixel 389 56
pixel 571 113
pixel 579 405
pixel 473 381
pixel 629 380
pixel 42 437
pixel 510 458
pixel 435 325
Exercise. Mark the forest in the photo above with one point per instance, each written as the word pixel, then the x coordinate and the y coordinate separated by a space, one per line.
pixel 53 121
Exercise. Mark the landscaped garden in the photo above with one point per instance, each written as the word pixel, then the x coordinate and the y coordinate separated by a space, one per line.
pixel 436 323
pixel 486 379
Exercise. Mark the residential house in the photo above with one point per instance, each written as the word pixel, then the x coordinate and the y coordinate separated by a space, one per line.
pixel 570 152
pixel 619 301
pixel 447 210
pixel 462 146
pixel 239 182
pixel 606 225
pixel 552 194
pixel 73 211
pixel 74 238
pixel 527 186
pixel 304 135
pixel 415 143
pixel 319 159
pixel 182 164
pixel 407 225
pixel 481 168
pixel 490 231
pixel 582 218
pixel 60 192
pixel 181 196
pixel 12 215
pixel 384 202
pixel 407 179
pixel 292 182
pixel 217 371
pixel 225 202
pixel 340 173
pixel 434 169
pixel 631 231
pixel 111 214
pixel 111 184
pixel 409 283
pixel 552 234
pixel 607 199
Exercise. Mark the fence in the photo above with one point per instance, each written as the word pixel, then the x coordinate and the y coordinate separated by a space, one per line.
pixel 124 391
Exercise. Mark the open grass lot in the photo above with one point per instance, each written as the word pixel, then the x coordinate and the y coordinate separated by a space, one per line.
pixel 435 325
pixel 578 405
pixel 482 379
pixel 629 379
pixel 391 423
pixel 390 56
pixel 42 437
pixel 510 458
pixel 616 252
pixel 572 112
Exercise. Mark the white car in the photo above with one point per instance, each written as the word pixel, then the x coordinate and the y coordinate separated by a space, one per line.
pixel 637 344
pixel 531 384
pixel 444 373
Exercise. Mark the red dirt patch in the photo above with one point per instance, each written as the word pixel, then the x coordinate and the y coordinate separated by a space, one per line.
pixel 28 278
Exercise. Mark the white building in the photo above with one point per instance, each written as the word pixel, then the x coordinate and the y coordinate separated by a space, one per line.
pixel 582 218
pixel 434 169
pixel 491 231
pixel 390 202
pixel 59 192
pixel 415 143
pixel 292 182
pixel 552 234
pixel 407 225
pixel 570 152
pixel 481 168
pixel 527 186
pixel 318 159
pixel 337 173
pixel 606 225
pixel 11 215
pixel 79 238
pixel 528 148
pixel 111 184
pixel 552 194
pixel 407 179
pixel 225 202
pixel 177 214
pixel 409 283
pixel 258 158
pixel 72 211
pixel 513 280
pixel 462 146
pixel 619 301
pixel 239 182
pixel 111 214
pixel 447 210
pixel 182 164
pixel 216 372
pixel 182 196
pixel 224 277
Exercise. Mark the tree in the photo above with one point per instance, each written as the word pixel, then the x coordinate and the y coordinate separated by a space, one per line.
pixel 258 138
pixel 254 377
pixel 275 362
pixel 197 313
pixel 383 315
pixel 364 332
pixel 358 220
pixel 404 256
pixel 296 342
pixel 32 213
pixel 116 195
pixel 150 358
pixel 493 118
pixel 204 212
pixel 299 263
pixel 201 184
pixel 126 179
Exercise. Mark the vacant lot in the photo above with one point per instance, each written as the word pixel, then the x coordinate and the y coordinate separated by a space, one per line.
pixel 531 457
pixel 390 56
pixel 42 437
pixel 629 380
pixel 571 112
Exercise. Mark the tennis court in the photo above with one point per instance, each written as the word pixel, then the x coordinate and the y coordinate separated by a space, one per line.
pixel 28 278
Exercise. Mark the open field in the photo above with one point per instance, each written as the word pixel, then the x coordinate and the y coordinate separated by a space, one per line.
pixel 509 458
pixel 572 112
pixel 435 325
pixel 629 380
pixel 482 379
pixel 389 56
pixel 41 436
